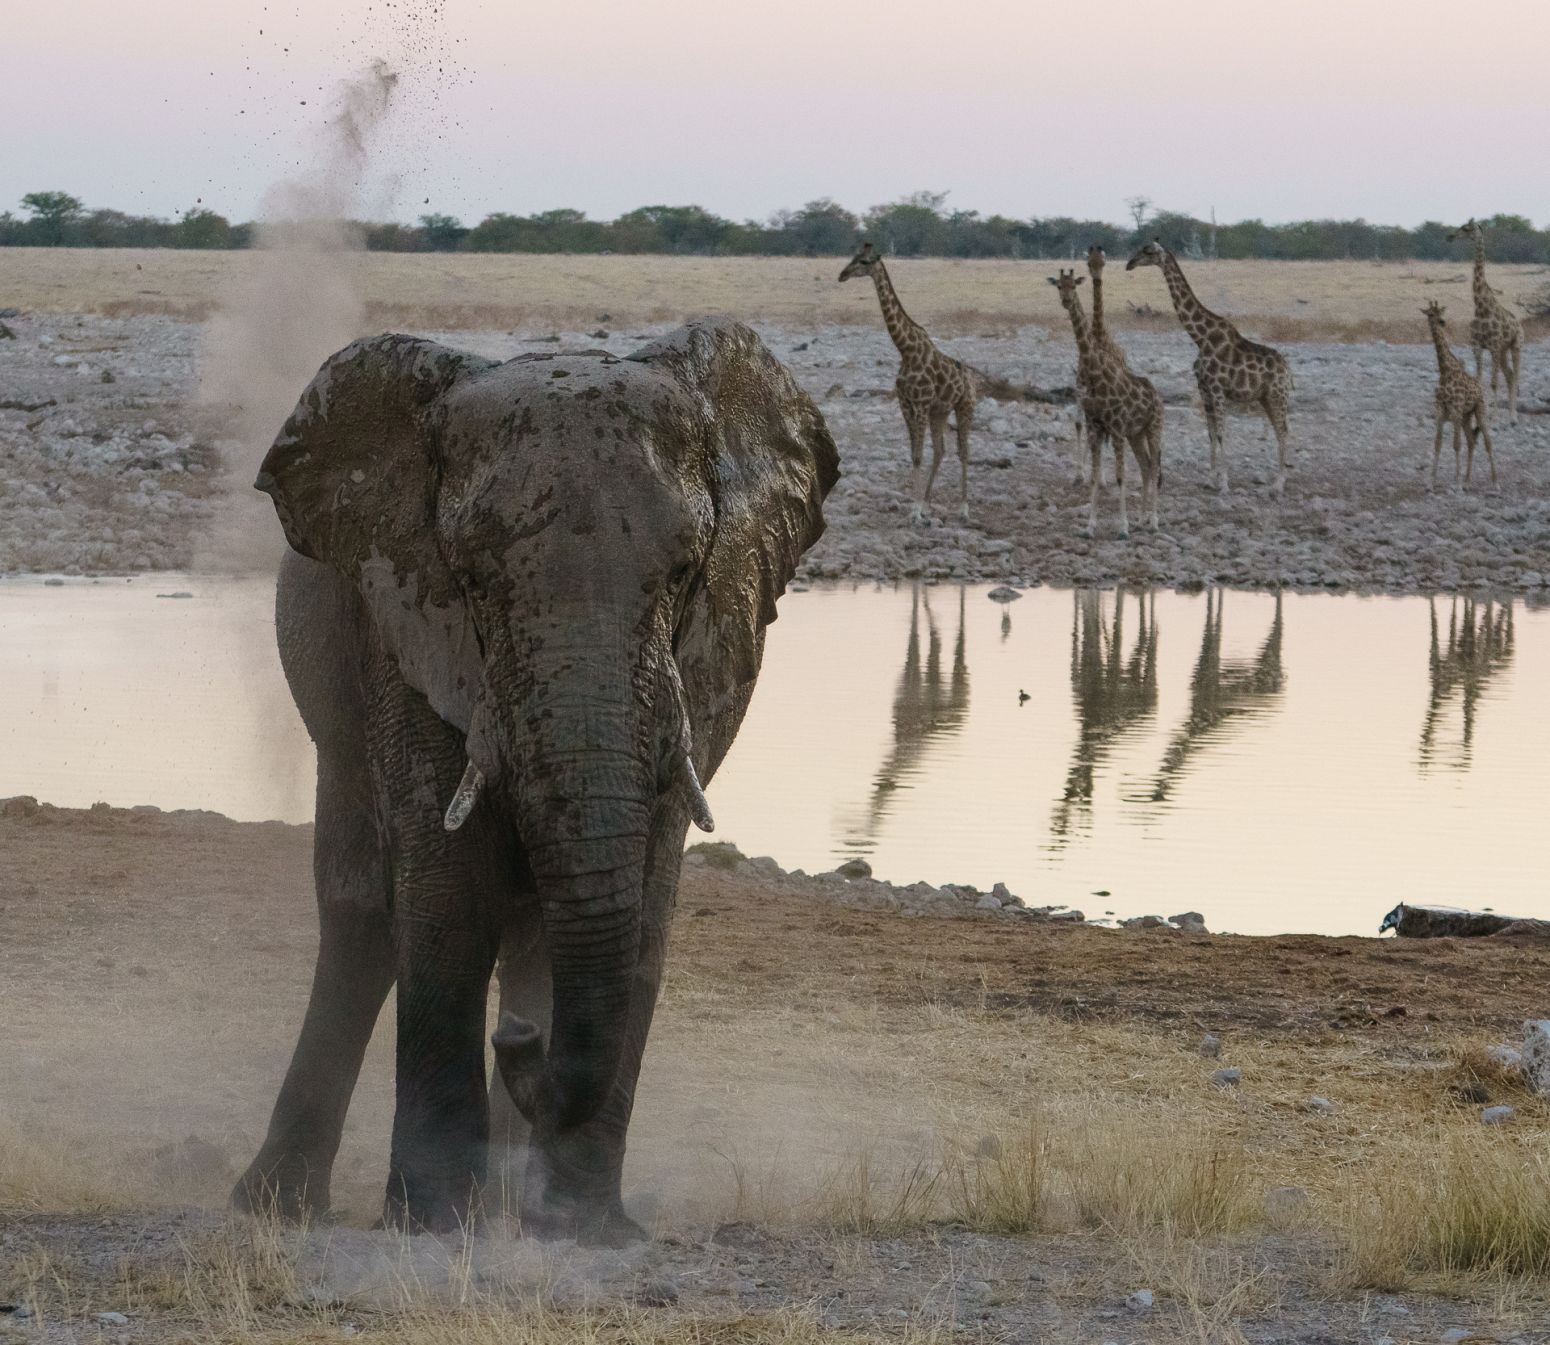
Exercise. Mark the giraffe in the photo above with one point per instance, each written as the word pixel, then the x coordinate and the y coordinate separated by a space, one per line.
pixel 1117 405
pixel 1495 328
pixel 1229 369
pixel 930 386
pixel 1460 399
pixel 1100 330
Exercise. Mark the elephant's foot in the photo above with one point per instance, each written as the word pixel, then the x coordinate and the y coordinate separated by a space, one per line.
pixel 419 1204
pixel 288 1188
pixel 609 1226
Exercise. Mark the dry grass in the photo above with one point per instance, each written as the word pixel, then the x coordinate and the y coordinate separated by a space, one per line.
pixel 1278 301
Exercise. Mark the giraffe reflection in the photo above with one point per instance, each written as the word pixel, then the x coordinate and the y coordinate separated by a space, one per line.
pixel 1114 692
pixel 930 704
pixel 1479 646
pixel 1223 693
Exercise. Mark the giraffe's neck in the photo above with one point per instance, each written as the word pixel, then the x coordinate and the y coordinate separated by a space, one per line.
pixel 1100 332
pixel 906 332
pixel 1446 359
pixel 1084 342
pixel 1198 320
pixel 1484 299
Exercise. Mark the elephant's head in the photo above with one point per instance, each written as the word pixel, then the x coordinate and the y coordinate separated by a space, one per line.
pixel 573 559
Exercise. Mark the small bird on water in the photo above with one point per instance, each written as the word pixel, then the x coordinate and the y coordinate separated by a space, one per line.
pixel 1022 696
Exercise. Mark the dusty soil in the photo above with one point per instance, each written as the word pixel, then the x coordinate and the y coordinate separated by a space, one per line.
pixel 124 475
pixel 155 966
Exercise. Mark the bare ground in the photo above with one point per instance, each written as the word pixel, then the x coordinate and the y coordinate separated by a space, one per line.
pixel 128 474
pixel 850 1122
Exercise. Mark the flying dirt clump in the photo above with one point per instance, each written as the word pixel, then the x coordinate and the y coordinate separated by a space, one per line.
pixel 295 303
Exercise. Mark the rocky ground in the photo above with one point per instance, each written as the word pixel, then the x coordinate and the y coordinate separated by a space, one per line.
pixel 852 1126
pixel 108 463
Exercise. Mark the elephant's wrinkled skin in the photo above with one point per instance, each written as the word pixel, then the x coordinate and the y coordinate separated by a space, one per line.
pixel 549 577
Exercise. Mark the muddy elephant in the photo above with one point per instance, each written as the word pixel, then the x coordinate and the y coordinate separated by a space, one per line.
pixel 522 621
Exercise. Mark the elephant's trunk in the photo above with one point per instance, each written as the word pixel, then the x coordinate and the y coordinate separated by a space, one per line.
pixel 582 792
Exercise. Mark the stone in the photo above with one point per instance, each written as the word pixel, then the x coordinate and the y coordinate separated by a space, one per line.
pixel 1143 922
pixel 1441 922
pixel 1321 1106
pixel 987 903
pixel 19 805
pixel 1002 893
pixel 1454 1334
pixel 1508 1057
pixel 977 1293
pixel 1001 593
pixel 1068 917
pixel 1495 1116
pixel 1191 922
pixel 657 1292
pixel 854 868
pixel 1141 1301
pixel 112 1319
pixel 1210 1046
pixel 1227 1078
pixel 766 866
pixel 1536 1055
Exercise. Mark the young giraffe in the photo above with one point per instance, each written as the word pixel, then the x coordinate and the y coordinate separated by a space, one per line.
pixel 1117 405
pixel 1229 368
pixel 1460 399
pixel 1495 328
pixel 930 386
pixel 1101 337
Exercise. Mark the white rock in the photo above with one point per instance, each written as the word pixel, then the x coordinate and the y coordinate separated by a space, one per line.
pixel 1227 1078
pixel 1141 1301
pixel 1454 1334
pixel 1536 1055
pixel 988 903
pixel 1495 1116
pixel 112 1319
pixel 1321 1105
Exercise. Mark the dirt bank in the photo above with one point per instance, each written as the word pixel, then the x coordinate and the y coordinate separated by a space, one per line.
pixel 838 1111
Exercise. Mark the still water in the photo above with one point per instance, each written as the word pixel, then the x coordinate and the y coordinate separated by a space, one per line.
pixel 1278 763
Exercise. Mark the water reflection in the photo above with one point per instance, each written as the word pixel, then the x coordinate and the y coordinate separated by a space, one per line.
pixel 1224 693
pixel 1480 640
pixel 1113 691
pixel 928 705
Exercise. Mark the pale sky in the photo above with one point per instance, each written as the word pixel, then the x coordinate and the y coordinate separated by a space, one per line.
pixel 1306 108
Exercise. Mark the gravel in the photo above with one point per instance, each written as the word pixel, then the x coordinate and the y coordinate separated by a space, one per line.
pixel 124 475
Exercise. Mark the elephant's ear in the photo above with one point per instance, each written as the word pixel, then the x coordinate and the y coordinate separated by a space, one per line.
pixel 770 462
pixel 354 475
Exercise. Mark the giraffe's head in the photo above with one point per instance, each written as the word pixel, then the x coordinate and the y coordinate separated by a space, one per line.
pixel 1468 229
pixel 1095 261
pixel 1151 254
pixel 1066 282
pixel 861 264
pixel 1434 315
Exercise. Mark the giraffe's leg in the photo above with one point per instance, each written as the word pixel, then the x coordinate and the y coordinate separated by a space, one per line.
pixel 916 424
pixel 1458 436
pixel 963 423
pixel 1095 457
pixel 1479 360
pixel 938 450
pixel 1215 412
pixel 1117 442
pixel 1275 411
pixel 1437 449
pixel 1482 420
pixel 1154 475
pixel 1515 354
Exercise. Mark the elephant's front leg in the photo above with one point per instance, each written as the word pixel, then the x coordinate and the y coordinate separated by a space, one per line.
pixel 573 1186
pixel 446 947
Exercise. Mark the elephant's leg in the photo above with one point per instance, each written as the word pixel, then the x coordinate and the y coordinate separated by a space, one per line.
pixel 354 972
pixel 526 990
pixel 573 1186
pixel 447 932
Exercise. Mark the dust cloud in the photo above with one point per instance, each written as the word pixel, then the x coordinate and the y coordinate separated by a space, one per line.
pixel 296 303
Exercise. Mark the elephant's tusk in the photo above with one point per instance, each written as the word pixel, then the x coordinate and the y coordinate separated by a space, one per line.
pixel 699 809
pixel 463 801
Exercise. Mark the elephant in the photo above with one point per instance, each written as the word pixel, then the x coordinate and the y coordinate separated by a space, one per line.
pixel 522 614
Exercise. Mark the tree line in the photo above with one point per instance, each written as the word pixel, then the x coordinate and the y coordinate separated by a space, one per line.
pixel 920 225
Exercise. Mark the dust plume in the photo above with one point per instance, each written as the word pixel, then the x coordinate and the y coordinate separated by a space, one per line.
pixel 296 303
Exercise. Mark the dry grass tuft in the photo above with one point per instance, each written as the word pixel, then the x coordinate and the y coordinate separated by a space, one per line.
pixel 1456 1203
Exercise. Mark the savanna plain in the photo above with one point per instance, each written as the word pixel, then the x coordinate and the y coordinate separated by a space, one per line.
pixel 852 1124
